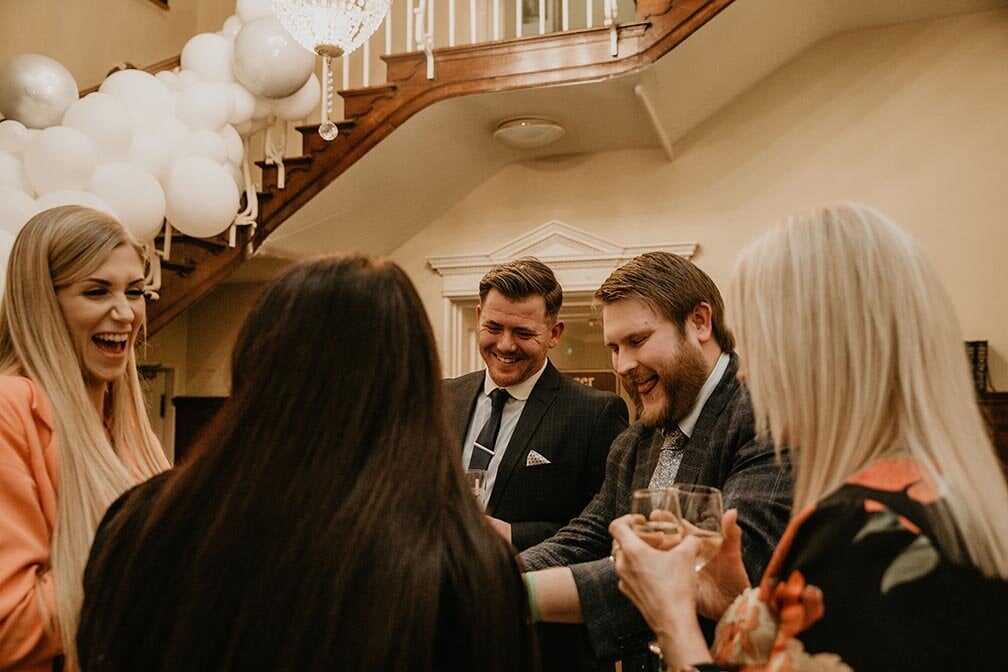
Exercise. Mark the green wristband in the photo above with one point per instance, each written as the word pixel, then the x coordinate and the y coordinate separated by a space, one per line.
pixel 529 579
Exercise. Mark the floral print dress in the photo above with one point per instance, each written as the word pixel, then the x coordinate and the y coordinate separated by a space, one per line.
pixel 873 577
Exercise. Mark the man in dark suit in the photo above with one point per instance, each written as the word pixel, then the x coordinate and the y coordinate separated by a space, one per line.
pixel 545 447
pixel 664 323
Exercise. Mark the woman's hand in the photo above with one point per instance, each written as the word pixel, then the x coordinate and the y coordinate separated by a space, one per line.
pixel 724 577
pixel 663 584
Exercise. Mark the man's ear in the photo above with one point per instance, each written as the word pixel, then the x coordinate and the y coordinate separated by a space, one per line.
pixel 556 331
pixel 478 310
pixel 702 321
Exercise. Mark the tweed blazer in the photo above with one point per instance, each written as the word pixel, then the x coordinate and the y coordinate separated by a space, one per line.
pixel 571 425
pixel 722 452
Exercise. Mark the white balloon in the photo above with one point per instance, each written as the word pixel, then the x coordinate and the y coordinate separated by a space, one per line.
pixel 233 143
pixel 185 79
pixel 55 199
pixel 14 136
pixel 236 173
pixel 231 26
pixel 204 106
pixel 244 104
pixel 105 122
pixel 167 77
pixel 268 61
pixel 16 208
pixel 134 195
pixel 152 154
pixel 302 103
pixel 250 10
pixel 36 90
pixel 207 144
pixel 251 126
pixel 59 158
pixel 209 56
pixel 174 134
pixel 202 199
pixel 146 98
pixel 263 108
pixel 13 175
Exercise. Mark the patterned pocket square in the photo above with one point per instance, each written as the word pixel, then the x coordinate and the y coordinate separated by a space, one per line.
pixel 535 459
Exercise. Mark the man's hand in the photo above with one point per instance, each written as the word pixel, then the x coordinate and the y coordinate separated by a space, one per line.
pixel 504 529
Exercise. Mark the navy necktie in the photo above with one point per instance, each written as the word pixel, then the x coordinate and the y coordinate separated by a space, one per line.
pixel 483 450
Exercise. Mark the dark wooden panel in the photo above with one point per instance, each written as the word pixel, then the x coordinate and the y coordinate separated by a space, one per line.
pixel 191 415
pixel 995 408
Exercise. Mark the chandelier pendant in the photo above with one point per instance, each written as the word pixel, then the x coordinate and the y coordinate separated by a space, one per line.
pixel 331 29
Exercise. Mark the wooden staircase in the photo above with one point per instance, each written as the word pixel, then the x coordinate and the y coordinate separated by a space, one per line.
pixel 372 113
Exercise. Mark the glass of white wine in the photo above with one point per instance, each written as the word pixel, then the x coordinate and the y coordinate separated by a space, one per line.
pixel 701 508
pixel 477 479
pixel 660 528
pixel 660 510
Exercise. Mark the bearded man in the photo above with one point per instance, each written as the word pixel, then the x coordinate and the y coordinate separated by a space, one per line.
pixel 664 323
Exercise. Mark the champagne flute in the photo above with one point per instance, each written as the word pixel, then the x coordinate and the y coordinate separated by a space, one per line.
pixel 477 479
pixel 701 508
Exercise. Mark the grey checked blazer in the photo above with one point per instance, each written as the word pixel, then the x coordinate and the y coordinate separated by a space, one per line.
pixel 721 452
pixel 571 424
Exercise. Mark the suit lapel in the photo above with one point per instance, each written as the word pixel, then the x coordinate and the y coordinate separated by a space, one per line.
pixel 698 448
pixel 543 395
pixel 463 404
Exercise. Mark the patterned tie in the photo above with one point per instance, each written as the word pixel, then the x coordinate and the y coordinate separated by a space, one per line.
pixel 669 459
pixel 483 449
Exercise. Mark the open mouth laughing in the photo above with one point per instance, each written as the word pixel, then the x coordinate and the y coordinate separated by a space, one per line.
pixel 111 343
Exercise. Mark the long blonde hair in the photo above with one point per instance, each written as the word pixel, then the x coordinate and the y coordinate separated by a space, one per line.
pixel 59 247
pixel 853 354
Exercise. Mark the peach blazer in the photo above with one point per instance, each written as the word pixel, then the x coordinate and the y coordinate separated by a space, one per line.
pixel 28 482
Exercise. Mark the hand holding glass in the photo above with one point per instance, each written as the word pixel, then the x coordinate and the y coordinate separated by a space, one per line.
pixel 660 527
pixel 477 479
pixel 701 508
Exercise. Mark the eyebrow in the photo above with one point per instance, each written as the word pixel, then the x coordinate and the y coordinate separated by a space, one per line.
pixel 105 283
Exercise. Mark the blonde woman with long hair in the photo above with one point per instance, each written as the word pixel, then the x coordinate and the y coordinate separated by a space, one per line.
pixel 73 430
pixel 897 555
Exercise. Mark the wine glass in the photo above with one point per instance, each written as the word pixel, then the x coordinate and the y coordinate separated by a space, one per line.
pixel 701 508
pixel 660 528
pixel 660 509
pixel 477 479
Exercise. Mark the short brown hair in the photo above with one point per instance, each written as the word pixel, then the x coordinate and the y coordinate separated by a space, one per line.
pixel 522 278
pixel 672 286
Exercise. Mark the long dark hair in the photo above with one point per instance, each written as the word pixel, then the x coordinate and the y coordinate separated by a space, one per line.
pixel 323 522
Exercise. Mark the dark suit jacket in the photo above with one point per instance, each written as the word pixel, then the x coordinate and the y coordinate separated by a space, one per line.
pixel 571 425
pixel 722 452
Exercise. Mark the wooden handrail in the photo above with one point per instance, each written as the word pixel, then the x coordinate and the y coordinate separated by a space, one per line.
pixel 167 64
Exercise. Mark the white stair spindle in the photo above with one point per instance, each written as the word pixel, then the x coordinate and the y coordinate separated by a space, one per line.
pixel 409 25
pixel 472 21
pixel 518 18
pixel 388 31
pixel 451 23
pixel 566 15
pixel 589 8
pixel 496 20
pixel 367 64
pixel 542 17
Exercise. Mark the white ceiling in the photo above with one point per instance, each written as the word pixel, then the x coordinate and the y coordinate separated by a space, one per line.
pixel 446 150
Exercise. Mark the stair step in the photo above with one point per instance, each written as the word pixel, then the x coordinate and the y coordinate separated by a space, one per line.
pixel 358 102
pixel 312 142
pixel 183 268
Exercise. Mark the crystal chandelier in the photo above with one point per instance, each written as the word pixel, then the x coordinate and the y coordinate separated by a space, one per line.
pixel 330 28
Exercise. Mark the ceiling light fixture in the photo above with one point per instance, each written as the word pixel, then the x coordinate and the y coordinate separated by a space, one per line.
pixel 528 132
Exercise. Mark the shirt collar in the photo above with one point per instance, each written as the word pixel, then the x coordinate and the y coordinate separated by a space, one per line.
pixel 520 391
pixel 689 422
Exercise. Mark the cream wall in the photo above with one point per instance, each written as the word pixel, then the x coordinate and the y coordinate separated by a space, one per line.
pixel 912 119
pixel 90 36
pixel 199 343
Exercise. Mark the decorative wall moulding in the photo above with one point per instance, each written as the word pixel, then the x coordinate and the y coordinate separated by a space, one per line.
pixel 580 260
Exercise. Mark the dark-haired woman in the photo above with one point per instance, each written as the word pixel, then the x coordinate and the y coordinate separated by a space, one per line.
pixel 322 522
